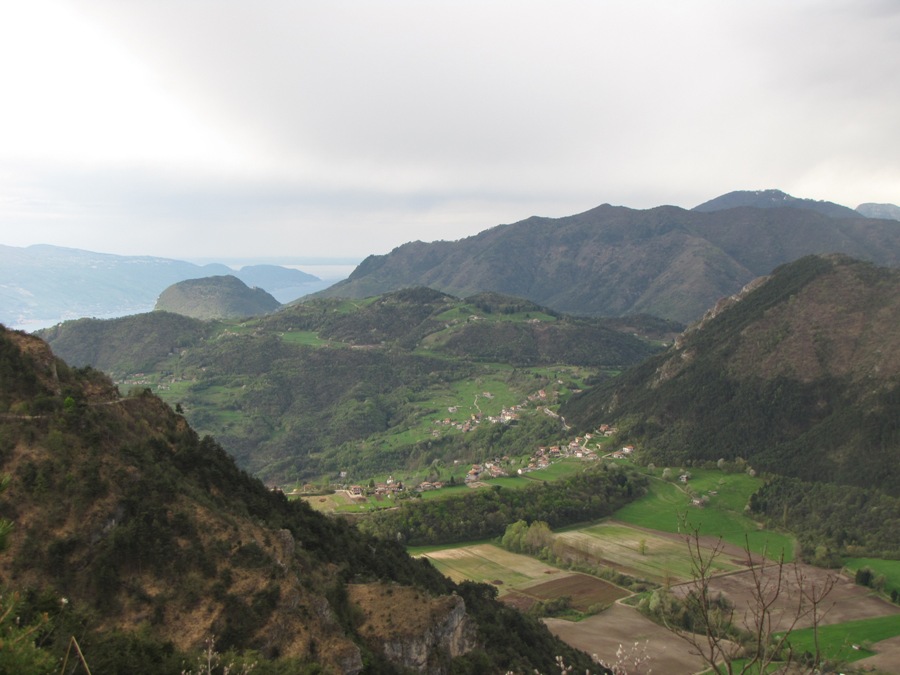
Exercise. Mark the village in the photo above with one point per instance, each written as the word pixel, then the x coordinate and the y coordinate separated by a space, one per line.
pixel 582 447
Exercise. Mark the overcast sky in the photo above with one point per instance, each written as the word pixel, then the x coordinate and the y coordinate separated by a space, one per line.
pixel 247 128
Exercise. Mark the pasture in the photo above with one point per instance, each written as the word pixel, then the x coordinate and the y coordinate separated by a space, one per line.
pixel 668 507
pixel 849 641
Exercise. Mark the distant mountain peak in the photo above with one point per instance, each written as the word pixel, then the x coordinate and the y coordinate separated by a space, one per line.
pixel 217 297
pixel 773 199
pixel 883 211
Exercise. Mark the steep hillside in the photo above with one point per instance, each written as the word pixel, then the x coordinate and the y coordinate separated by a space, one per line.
pixel 132 344
pixel 145 541
pixel 799 375
pixel 614 261
pixel 327 386
pixel 219 297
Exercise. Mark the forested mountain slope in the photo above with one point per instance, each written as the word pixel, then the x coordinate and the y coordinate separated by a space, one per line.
pixel 144 541
pixel 799 375
pixel 216 297
pixel 609 261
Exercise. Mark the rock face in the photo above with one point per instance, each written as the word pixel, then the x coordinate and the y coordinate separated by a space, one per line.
pixel 414 630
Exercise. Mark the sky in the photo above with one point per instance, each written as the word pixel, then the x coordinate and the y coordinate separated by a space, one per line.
pixel 238 129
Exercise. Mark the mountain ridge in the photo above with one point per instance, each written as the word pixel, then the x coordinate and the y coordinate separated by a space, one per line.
pixel 798 375
pixel 612 260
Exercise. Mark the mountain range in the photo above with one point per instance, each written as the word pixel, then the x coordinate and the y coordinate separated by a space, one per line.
pixel 613 261
pixel 609 261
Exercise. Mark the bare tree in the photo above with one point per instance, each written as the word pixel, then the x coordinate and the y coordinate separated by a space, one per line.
pixel 755 638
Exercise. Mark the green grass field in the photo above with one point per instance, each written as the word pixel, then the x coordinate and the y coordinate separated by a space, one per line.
pixel 889 568
pixel 667 507
pixel 836 641
pixel 564 468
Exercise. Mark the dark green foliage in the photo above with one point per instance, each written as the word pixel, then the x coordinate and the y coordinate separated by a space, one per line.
pixel 842 520
pixel 864 576
pixel 486 513
pixel 824 421
pixel 613 261
pixel 17 373
pixel 576 342
pixel 131 344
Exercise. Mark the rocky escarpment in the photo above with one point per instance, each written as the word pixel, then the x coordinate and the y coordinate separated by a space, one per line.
pixel 413 629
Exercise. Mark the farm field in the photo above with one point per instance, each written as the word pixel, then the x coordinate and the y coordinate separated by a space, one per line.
pixel 623 626
pixel 852 614
pixel 846 602
pixel 584 590
pixel 490 564
pixel 341 502
pixel 653 556
pixel 837 641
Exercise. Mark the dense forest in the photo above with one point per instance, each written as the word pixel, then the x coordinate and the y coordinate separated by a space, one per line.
pixel 832 520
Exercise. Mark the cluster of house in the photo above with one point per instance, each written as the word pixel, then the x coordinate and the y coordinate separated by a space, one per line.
pixel 486 471
pixel 506 416
pixel 624 453
pixel 544 455
pixel 540 459
pixel 389 487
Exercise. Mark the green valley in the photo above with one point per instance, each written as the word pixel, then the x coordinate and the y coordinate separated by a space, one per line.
pixel 329 391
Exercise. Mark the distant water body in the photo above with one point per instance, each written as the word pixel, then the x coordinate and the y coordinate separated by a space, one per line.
pixel 328 271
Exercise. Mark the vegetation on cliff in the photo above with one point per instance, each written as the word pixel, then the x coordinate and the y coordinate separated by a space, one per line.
pixel 141 539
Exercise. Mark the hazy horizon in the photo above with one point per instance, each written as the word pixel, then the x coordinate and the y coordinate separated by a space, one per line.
pixel 230 129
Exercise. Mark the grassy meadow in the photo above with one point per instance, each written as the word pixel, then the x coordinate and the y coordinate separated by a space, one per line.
pixel 837 641
pixel 890 569
pixel 667 507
